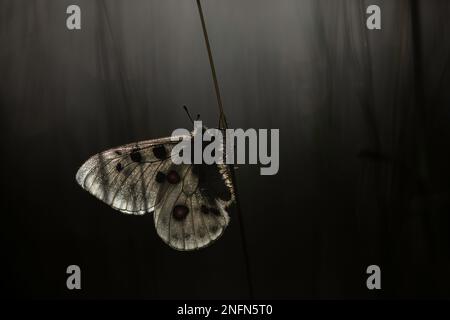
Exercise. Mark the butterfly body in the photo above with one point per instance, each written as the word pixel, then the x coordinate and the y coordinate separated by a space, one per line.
pixel 190 202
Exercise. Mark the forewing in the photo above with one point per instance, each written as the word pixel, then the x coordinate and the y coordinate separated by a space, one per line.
pixel 125 177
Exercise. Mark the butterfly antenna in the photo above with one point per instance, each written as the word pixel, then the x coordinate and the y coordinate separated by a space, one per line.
pixel 188 114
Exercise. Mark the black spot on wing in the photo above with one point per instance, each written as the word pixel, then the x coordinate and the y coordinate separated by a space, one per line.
pixel 180 212
pixel 160 152
pixel 160 177
pixel 173 177
pixel 136 156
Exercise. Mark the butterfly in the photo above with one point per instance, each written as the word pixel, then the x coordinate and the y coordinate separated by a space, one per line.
pixel 190 202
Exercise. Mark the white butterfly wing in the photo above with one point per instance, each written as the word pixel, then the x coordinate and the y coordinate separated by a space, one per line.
pixel 124 177
pixel 202 219
pixel 190 208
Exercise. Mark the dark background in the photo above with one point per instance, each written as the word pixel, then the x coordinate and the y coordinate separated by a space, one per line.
pixel 364 126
